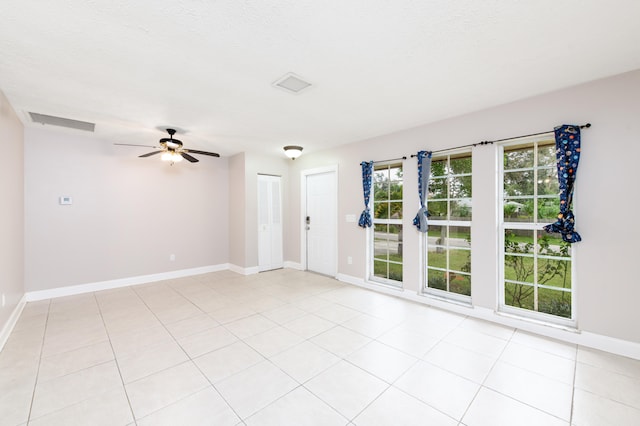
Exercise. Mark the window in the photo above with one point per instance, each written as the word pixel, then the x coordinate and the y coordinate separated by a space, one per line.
pixel 536 269
pixel 386 265
pixel 448 240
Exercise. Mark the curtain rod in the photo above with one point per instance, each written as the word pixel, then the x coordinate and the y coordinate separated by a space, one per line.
pixel 390 159
pixel 584 126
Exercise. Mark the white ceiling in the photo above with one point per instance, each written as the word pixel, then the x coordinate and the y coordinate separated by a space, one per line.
pixel 377 66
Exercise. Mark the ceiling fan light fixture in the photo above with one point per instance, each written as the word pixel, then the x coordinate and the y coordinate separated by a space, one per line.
pixel 173 157
pixel 293 151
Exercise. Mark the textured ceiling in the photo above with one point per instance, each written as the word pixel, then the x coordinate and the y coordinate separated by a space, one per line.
pixel 376 66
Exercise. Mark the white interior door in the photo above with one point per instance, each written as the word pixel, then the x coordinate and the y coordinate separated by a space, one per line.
pixel 270 254
pixel 321 222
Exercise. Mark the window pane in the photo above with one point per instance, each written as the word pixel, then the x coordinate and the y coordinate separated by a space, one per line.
pixel 518 295
pixel 437 235
pixel 436 279
pixel 556 273
pixel 460 236
pixel 460 284
pixel 547 155
pixel 518 158
pixel 381 175
pixel 395 174
pixel 554 302
pixel 438 167
pixel 381 190
pixel 518 268
pixel 460 260
pixel 461 210
pixel 518 183
pixel 548 182
pixel 548 209
pixel 519 241
pixel 395 191
pixel 551 244
pixel 380 269
pixel 381 210
pixel 461 165
pixel 395 243
pixel 437 209
pixel 437 257
pixel 437 188
pixel 520 210
pixel 395 272
pixel 381 241
pixel 395 210
pixel 460 187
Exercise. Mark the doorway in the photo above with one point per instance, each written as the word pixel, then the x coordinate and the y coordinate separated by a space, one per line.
pixel 320 212
pixel 270 253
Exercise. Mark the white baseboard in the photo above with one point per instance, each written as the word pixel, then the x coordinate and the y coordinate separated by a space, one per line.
pixel 584 338
pixel 293 265
pixel 12 321
pixel 33 296
pixel 244 271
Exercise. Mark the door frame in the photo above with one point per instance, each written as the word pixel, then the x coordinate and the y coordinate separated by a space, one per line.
pixel 303 210
pixel 279 177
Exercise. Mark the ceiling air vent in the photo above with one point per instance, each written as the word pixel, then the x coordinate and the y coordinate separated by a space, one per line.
pixel 291 83
pixel 62 122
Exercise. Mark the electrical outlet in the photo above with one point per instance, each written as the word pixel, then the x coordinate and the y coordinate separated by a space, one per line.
pixel 349 260
pixel 172 257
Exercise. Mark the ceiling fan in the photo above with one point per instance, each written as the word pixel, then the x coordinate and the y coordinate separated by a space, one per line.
pixel 172 150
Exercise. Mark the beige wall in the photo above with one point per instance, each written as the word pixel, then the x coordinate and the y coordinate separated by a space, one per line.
pixel 237 207
pixel 606 200
pixel 128 215
pixel 11 211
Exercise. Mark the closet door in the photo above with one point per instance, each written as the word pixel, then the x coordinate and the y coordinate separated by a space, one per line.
pixel 270 254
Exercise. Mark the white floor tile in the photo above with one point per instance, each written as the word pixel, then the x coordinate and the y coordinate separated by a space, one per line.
pixel 486 327
pixel 490 408
pixel 340 341
pixel 551 396
pixel 273 341
pixel 304 361
pixel 309 326
pixel 299 407
pixel 190 326
pixel 227 361
pixel 336 313
pixel 284 314
pixel 616 363
pixel 150 360
pixel 369 326
pixel 346 388
pixel 463 362
pixel 256 387
pixel 207 341
pixel 205 407
pixel 382 361
pixel 108 409
pixel 537 361
pixel 231 313
pixel 412 343
pixel 163 388
pixel 608 384
pixel 592 410
pixel 438 388
pixel 76 360
pixel 478 342
pixel 250 326
pixel 395 407
pixel 545 344
pixel 64 391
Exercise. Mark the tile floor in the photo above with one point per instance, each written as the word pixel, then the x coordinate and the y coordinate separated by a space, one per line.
pixel 292 348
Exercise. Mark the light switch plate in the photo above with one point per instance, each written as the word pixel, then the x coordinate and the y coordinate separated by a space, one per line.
pixel 65 200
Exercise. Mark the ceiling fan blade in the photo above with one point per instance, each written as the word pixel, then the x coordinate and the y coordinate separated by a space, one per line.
pixel 149 154
pixel 188 157
pixel 132 144
pixel 195 151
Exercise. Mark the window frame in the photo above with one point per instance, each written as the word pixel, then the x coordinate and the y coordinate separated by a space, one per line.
pixel 371 277
pixel 535 226
pixel 447 223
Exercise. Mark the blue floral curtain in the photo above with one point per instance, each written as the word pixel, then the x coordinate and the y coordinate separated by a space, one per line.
pixel 424 170
pixel 568 156
pixel 367 172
